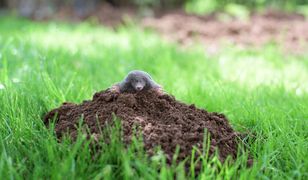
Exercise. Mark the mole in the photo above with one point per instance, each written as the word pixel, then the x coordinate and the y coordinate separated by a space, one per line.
pixel 137 81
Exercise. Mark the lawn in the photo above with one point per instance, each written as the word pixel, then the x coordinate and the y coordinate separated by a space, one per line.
pixel 263 92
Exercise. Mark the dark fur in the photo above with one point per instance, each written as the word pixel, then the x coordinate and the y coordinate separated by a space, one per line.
pixel 136 79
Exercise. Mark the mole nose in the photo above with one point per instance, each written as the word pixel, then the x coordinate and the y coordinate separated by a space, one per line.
pixel 139 88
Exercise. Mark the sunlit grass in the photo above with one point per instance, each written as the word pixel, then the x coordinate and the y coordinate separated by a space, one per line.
pixel 262 92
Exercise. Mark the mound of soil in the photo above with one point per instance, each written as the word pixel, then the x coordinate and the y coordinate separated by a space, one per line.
pixel 163 121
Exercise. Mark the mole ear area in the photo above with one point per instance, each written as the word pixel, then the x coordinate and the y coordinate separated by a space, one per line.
pixel 125 81
pixel 154 84
pixel 124 85
pixel 147 75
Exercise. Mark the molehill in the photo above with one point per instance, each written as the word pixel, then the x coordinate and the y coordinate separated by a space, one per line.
pixel 162 119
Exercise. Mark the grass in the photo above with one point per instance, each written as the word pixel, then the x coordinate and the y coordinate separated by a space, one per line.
pixel 240 8
pixel 264 92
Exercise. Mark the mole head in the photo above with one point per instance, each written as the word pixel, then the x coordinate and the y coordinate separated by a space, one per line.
pixel 137 81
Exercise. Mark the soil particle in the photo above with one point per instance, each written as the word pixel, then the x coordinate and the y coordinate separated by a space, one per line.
pixel 163 121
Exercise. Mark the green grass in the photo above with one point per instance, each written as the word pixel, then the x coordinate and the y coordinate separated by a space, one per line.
pixel 263 92
pixel 240 8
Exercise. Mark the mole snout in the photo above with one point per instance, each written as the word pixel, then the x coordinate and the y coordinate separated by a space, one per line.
pixel 139 87
pixel 137 81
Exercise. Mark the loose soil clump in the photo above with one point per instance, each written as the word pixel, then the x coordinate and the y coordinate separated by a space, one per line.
pixel 163 121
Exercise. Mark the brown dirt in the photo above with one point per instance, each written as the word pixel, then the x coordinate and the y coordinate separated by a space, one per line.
pixel 163 121
pixel 287 30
